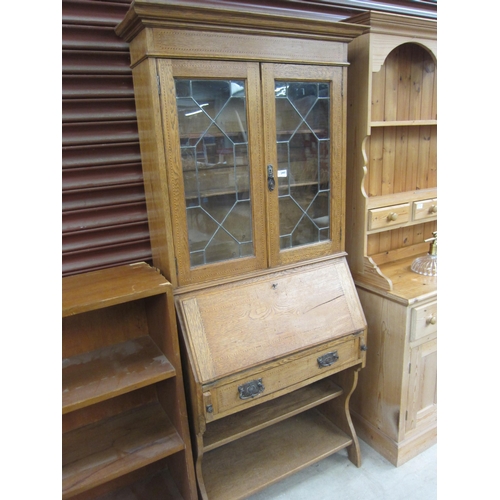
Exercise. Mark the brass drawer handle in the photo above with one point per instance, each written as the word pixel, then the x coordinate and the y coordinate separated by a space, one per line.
pixel 328 359
pixel 392 217
pixel 432 320
pixel 251 389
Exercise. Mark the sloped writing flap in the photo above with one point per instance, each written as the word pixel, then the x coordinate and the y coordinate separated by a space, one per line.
pixel 235 326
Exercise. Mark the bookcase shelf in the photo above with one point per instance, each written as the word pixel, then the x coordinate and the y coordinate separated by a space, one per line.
pixel 102 451
pixel 112 370
pixel 123 403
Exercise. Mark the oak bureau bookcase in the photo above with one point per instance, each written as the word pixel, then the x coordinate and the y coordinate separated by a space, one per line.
pixel 242 124
pixel 391 212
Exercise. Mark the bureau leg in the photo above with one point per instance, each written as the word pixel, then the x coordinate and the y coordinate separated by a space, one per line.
pixel 198 467
pixel 338 411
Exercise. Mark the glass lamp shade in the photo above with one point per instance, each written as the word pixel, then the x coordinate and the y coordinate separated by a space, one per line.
pixel 426 265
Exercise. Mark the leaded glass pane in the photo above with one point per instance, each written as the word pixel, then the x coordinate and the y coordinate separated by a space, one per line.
pixel 303 148
pixel 213 133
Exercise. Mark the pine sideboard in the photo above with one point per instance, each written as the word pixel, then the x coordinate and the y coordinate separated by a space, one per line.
pixel 391 212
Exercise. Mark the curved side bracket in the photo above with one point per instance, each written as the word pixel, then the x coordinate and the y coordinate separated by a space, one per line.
pixel 338 411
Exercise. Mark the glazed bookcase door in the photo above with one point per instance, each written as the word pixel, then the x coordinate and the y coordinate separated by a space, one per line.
pixel 211 121
pixel 305 135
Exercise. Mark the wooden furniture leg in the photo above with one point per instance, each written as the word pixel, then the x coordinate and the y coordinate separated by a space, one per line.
pixel 338 411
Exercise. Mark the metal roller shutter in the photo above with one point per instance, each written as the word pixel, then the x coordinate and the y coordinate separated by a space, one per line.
pixel 104 217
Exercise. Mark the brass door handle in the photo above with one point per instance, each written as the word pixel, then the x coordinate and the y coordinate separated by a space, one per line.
pixel 270 178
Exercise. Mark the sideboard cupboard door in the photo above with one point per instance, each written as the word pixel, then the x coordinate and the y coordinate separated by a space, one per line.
pixel 303 120
pixel 215 152
pixel 422 388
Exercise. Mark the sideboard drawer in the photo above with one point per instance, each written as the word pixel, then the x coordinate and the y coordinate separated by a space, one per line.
pixel 264 383
pixel 425 209
pixel 423 321
pixel 388 216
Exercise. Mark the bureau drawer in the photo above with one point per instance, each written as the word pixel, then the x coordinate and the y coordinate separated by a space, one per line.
pixel 266 383
pixel 388 216
pixel 424 209
pixel 423 321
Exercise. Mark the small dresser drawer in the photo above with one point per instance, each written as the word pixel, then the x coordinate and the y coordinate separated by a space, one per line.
pixel 384 217
pixel 423 321
pixel 425 209
pixel 262 385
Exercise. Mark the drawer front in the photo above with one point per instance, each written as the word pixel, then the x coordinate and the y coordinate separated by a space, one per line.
pixel 388 216
pixel 425 209
pixel 423 321
pixel 262 385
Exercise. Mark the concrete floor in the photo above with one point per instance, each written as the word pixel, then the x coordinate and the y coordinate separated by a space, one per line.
pixel 336 478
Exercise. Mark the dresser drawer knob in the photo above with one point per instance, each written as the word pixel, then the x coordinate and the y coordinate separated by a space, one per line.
pixel 328 359
pixel 432 320
pixel 251 389
pixel 392 216
pixel 433 209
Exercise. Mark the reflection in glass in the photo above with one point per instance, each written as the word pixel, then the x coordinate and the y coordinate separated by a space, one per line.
pixel 303 148
pixel 215 162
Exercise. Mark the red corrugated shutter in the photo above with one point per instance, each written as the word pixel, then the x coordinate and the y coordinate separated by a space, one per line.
pixel 104 217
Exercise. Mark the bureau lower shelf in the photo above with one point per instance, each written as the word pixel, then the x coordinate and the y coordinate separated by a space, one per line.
pixel 252 463
pixel 233 427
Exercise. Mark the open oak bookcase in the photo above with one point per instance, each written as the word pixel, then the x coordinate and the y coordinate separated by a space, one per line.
pixel 124 420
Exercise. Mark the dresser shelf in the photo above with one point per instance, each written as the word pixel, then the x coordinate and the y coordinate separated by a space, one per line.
pixel 396 198
pixel 402 123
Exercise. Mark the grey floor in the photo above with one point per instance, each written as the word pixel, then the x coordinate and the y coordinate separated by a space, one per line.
pixel 336 478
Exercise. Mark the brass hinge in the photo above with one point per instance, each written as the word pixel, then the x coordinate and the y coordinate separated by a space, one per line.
pixel 158 83
pixel 409 367
pixel 406 416
pixel 176 267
